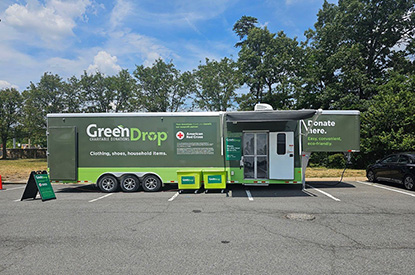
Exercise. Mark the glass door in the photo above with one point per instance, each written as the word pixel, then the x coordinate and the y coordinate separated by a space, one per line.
pixel 255 155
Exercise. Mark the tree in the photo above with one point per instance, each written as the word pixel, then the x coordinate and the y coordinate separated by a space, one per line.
pixel 74 102
pixel 123 88
pixel 50 95
pixel 96 92
pixel 10 107
pixel 270 66
pixel 216 83
pixel 243 26
pixel 162 86
pixel 389 124
pixel 354 45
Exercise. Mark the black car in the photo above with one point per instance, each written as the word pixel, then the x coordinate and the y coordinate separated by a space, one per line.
pixel 399 168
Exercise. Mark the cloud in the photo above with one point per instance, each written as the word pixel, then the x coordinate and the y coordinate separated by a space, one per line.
pixel 67 37
pixel 17 67
pixel 131 46
pixel 104 63
pixel 121 10
pixel 4 85
pixel 52 21
pixel 167 14
pixel 68 67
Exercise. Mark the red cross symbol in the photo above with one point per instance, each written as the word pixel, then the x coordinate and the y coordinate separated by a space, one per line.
pixel 180 135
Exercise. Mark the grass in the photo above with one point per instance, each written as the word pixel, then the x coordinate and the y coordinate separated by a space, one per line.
pixel 19 170
pixel 322 172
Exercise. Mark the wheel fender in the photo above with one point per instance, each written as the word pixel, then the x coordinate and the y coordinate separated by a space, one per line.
pixel 106 174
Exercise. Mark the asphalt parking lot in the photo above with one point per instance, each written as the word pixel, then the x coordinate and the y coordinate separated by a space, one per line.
pixel 348 228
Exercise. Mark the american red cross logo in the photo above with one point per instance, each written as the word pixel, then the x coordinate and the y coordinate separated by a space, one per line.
pixel 180 135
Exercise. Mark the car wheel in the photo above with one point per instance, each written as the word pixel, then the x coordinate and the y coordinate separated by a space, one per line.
pixel 371 176
pixel 151 183
pixel 108 184
pixel 408 183
pixel 130 183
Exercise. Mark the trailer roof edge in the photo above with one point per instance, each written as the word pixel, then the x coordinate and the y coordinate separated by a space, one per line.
pixel 341 112
pixel 156 114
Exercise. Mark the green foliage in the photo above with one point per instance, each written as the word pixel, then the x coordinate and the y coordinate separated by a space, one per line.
pixel 124 92
pixel 50 95
pixel 96 92
pixel 270 64
pixel 389 124
pixel 216 83
pixel 10 108
pixel 336 161
pixel 318 159
pixel 354 45
pixel 75 99
pixel 163 87
pixel 243 26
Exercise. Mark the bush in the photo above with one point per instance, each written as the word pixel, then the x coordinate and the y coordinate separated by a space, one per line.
pixel 336 161
pixel 318 159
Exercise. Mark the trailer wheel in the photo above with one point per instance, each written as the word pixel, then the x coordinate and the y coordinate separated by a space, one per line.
pixel 130 183
pixel 108 184
pixel 151 183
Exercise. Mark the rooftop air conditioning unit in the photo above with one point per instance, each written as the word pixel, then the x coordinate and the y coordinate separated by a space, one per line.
pixel 263 107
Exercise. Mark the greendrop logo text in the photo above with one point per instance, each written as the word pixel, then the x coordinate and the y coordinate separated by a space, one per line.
pixel 121 133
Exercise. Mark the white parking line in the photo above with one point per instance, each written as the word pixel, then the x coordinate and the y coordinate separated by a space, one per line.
pixel 101 197
pixel 174 196
pixel 14 188
pixel 324 193
pixel 387 188
pixel 37 197
pixel 248 193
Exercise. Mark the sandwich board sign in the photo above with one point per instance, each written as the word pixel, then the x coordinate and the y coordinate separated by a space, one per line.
pixel 38 182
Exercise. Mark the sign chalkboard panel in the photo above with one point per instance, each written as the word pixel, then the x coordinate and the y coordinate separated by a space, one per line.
pixel 39 182
pixel 233 148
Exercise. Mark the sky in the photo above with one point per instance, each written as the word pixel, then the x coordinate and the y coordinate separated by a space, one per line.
pixel 68 37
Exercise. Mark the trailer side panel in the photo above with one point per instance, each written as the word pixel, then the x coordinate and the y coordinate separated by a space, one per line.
pixel 159 144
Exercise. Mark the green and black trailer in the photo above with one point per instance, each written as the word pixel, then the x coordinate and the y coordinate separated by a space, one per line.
pixel 194 149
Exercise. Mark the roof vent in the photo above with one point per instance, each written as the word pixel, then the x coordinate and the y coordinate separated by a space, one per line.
pixel 263 107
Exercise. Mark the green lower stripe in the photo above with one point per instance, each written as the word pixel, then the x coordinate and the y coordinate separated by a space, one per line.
pixel 170 174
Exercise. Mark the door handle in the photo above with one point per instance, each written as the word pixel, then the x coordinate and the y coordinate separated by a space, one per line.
pixel 291 155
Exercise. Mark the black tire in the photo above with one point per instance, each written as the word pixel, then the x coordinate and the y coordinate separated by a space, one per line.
pixel 408 182
pixel 371 176
pixel 129 183
pixel 108 184
pixel 151 183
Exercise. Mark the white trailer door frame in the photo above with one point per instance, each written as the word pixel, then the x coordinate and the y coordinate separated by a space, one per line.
pixel 281 155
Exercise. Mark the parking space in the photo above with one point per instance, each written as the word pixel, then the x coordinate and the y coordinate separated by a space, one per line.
pixel 252 230
pixel 346 192
pixel 339 192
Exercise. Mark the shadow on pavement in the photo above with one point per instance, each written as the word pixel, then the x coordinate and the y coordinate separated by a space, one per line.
pixel 330 184
pixel 77 189
pixel 271 191
pixel 81 188
pixel 236 190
